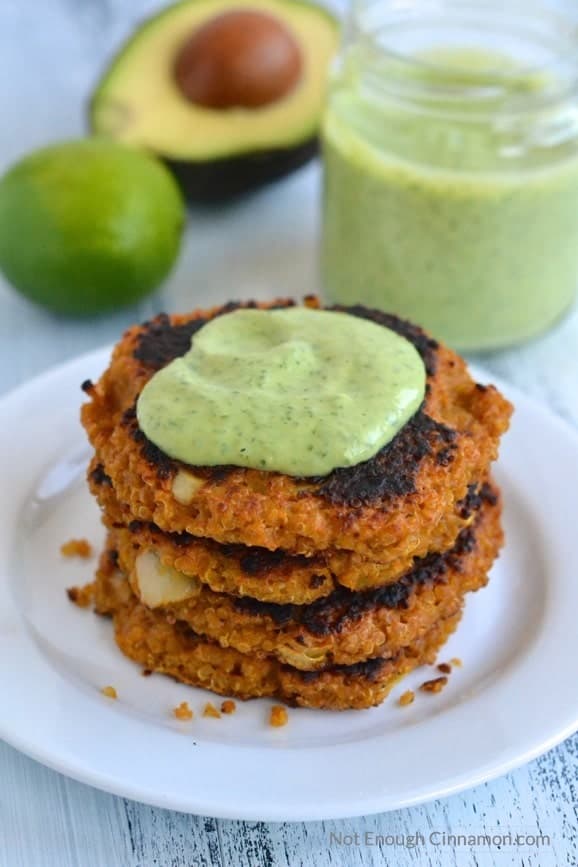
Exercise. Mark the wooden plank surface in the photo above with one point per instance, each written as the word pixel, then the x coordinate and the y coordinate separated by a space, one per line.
pixel 47 820
pixel 264 247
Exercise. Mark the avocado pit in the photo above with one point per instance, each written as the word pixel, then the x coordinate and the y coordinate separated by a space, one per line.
pixel 239 59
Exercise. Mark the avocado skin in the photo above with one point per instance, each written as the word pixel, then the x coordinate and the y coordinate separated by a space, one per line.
pixel 223 180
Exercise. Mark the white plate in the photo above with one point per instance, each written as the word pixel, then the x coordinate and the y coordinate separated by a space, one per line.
pixel 514 698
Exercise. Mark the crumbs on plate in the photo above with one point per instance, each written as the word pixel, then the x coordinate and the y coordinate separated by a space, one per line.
pixel 81 596
pixel 211 711
pixel 435 685
pixel 278 716
pixel 77 548
pixel 183 711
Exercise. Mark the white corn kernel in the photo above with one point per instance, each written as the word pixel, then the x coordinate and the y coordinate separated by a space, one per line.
pixel 185 486
pixel 159 585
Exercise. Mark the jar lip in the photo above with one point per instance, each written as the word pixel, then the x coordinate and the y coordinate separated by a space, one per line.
pixel 527 20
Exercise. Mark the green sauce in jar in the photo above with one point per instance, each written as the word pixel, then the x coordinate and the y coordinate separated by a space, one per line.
pixel 451 191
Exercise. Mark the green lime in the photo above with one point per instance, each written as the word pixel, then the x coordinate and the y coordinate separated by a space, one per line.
pixel 88 226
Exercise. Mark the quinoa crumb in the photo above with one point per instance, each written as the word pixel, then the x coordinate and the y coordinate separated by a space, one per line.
pixel 146 672
pixel 279 716
pixel 183 711
pixel 406 698
pixel 81 596
pixel 456 661
pixel 76 548
pixel 445 668
pixel 228 706
pixel 211 710
pixel 109 691
pixel 435 685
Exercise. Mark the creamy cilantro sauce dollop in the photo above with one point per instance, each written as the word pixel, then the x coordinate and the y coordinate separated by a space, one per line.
pixel 296 391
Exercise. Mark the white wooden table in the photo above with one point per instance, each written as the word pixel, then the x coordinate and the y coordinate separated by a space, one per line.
pixel 49 53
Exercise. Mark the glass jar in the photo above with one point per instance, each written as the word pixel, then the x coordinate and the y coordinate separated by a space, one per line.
pixel 450 146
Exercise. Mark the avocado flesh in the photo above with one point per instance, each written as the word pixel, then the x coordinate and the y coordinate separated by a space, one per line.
pixel 215 153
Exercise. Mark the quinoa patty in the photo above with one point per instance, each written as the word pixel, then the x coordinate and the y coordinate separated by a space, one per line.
pixel 343 628
pixel 383 509
pixel 174 649
pixel 275 576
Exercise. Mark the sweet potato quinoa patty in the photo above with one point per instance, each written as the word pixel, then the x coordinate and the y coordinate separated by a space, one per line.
pixel 322 592
pixel 273 576
pixel 344 627
pixel 384 509
pixel 173 648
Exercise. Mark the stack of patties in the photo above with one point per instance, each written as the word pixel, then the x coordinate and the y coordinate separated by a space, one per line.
pixel 320 591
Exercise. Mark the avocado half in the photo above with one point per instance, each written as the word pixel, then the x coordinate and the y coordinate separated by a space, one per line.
pixel 216 153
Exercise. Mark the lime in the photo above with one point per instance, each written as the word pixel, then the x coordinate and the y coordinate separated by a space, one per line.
pixel 88 226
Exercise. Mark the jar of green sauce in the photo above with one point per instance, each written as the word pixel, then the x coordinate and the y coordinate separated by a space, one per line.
pixel 450 146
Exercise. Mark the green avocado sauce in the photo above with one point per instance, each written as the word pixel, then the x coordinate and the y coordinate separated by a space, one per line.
pixel 465 222
pixel 296 391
